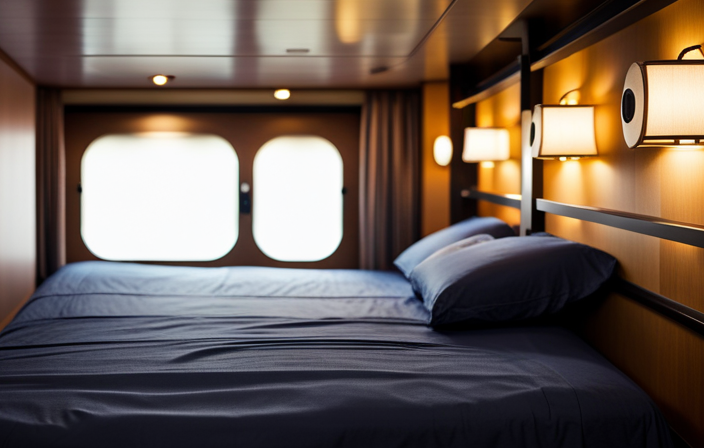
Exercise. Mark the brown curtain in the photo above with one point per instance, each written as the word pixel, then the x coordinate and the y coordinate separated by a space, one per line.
pixel 51 180
pixel 389 176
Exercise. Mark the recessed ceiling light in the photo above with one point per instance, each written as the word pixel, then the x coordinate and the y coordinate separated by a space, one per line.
pixel 298 50
pixel 160 80
pixel 282 94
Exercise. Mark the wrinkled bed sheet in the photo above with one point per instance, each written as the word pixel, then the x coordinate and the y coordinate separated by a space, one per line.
pixel 116 354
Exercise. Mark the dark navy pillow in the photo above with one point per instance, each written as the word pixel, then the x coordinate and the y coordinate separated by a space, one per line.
pixel 411 257
pixel 509 279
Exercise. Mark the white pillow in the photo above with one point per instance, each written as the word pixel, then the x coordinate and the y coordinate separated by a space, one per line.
pixel 461 244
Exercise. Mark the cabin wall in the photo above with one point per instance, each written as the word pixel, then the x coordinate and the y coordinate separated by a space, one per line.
pixel 17 190
pixel 502 110
pixel 435 189
pixel 666 360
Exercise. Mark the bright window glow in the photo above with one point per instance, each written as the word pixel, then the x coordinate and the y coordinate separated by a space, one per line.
pixel 160 196
pixel 297 198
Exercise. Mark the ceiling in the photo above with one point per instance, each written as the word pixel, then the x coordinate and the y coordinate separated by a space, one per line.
pixel 248 43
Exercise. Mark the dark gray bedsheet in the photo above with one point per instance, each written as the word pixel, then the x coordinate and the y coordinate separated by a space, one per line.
pixel 110 354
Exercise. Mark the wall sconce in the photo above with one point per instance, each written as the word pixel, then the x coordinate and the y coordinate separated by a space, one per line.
pixel 442 150
pixel 563 131
pixel 663 102
pixel 161 80
pixel 282 94
pixel 485 145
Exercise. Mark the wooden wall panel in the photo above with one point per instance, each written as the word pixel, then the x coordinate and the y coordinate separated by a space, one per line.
pixel 17 191
pixel 435 184
pixel 502 110
pixel 633 251
pixel 665 359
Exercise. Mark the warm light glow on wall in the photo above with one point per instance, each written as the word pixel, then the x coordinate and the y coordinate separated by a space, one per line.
pixel 564 132
pixel 348 21
pixel 570 98
pixel 485 144
pixel 663 104
pixel 442 150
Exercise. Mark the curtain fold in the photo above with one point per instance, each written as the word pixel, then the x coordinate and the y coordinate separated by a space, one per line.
pixel 389 176
pixel 51 181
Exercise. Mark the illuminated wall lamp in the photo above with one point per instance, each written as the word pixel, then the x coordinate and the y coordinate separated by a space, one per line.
pixel 485 145
pixel 564 132
pixel 663 103
pixel 161 80
pixel 282 94
pixel 442 150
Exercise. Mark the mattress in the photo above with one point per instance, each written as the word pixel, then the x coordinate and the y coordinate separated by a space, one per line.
pixel 117 354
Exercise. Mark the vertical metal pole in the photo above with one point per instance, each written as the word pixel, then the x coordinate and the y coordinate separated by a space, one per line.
pixel 532 220
pixel 462 175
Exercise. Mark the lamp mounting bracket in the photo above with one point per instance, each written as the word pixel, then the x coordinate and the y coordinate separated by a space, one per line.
pixel 688 49
pixel 567 93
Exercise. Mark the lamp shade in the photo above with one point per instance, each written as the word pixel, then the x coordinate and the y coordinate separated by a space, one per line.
pixel 485 144
pixel 663 104
pixel 562 131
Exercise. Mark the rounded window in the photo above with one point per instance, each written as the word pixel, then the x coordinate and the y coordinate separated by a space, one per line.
pixel 297 198
pixel 160 196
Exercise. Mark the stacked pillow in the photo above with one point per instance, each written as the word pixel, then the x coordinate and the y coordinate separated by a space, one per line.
pixel 422 249
pixel 482 280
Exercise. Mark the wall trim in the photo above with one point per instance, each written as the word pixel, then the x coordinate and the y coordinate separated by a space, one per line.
pixel 508 200
pixel 4 57
pixel 682 314
pixel 680 232
pixel 211 97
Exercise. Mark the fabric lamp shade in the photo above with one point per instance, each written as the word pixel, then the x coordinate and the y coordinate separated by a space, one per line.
pixel 663 104
pixel 562 131
pixel 485 144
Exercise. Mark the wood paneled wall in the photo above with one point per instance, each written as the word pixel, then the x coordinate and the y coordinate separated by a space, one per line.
pixel 17 191
pixel 502 110
pixel 435 190
pixel 664 358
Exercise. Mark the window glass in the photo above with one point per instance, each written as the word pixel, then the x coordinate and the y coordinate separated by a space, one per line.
pixel 159 196
pixel 297 198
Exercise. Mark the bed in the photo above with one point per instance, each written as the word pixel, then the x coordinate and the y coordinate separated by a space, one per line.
pixel 120 354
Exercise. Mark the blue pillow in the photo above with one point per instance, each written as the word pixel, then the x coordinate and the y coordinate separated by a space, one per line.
pixel 509 279
pixel 422 249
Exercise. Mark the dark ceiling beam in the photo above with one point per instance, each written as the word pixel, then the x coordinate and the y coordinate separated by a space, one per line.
pixel 555 35
pixel 611 17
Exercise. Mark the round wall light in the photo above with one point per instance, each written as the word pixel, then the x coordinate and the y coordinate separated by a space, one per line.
pixel 161 80
pixel 442 150
pixel 282 94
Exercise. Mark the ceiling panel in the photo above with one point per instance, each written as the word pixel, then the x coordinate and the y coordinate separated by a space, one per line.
pixel 244 43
